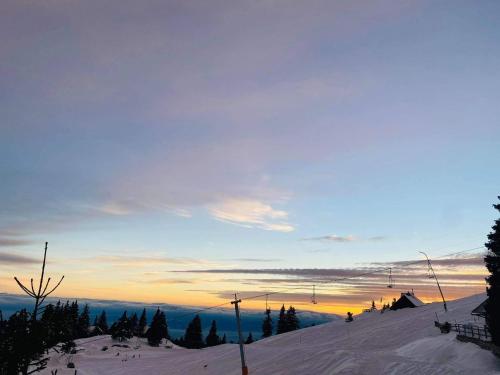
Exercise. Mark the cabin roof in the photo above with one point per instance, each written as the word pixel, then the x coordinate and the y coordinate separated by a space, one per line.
pixel 481 309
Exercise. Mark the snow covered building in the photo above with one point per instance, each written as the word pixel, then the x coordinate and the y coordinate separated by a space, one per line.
pixel 407 299
pixel 480 310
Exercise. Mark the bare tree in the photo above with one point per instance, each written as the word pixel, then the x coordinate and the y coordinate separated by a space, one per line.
pixel 42 292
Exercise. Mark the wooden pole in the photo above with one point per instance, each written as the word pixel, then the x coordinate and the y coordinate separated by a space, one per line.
pixel 244 368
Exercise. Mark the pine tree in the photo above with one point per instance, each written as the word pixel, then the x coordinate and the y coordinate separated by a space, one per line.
pixel 292 322
pixel 223 340
pixel 373 306
pixel 21 345
pixel 212 337
pixel 101 327
pixel 141 326
pixel 83 323
pixel 73 320
pixel 120 330
pixel 282 327
pixel 492 261
pixel 158 329
pixel 133 323
pixel 267 324
pixel 249 339
pixel 193 337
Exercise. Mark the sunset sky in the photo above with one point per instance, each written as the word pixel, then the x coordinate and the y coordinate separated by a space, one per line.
pixel 286 143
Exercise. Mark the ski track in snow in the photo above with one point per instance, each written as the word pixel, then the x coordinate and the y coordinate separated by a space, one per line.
pixel 396 342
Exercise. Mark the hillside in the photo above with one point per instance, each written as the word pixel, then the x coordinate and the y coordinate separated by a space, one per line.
pixel 396 342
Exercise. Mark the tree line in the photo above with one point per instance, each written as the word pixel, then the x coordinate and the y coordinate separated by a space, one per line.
pixel 23 339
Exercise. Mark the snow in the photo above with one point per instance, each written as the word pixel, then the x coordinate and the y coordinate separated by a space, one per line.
pixel 414 300
pixel 395 342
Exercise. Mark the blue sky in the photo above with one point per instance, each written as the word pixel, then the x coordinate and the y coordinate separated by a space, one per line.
pixel 236 134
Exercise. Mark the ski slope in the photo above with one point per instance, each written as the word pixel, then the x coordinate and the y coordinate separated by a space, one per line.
pixel 396 342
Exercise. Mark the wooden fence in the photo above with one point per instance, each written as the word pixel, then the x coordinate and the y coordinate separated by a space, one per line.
pixel 472 331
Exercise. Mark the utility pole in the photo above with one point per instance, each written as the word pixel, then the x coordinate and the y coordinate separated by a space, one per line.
pixel 435 277
pixel 244 368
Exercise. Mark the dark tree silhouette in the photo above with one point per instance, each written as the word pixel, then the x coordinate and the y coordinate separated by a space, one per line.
pixel 267 324
pixel 83 323
pixel 212 337
pixel 158 329
pixel 30 356
pixel 292 322
pixel 282 326
pixel 22 346
pixel 249 339
pixel 193 338
pixel 349 317
pixel 133 323
pixel 224 339
pixel 101 328
pixel 492 261
pixel 141 326
pixel 120 330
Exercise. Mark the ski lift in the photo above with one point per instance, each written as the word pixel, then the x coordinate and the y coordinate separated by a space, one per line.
pixel 313 299
pixel 430 275
pixel 391 280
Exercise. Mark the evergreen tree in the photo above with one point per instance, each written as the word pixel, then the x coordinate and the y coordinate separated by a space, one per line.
pixel 141 326
pixel 492 261
pixel 393 303
pixel 48 321
pixel 134 321
pixel 193 337
pixel 212 337
pixel 101 327
pixel 21 345
pixel 72 320
pixel 249 339
pixel 158 329
pixel 223 340
pixel 83 323
pixel 281 321
pixel 292 322
pixel 373 306
pixel 267 324
pixel 120 330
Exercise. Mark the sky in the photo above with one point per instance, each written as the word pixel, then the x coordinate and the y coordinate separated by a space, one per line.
pixel 270 144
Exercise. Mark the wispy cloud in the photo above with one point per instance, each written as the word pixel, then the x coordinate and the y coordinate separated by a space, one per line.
pixel 129 207
pixel 126 260
pixel 7 242
pixel 251 213
pixel 169 281
pixel 13 259
pixel 346 238
pixel 257 260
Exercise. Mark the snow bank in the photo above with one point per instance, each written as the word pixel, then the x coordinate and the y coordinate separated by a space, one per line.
pixel 396 342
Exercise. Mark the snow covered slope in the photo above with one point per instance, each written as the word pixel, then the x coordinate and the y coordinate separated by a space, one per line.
pixel 396 342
